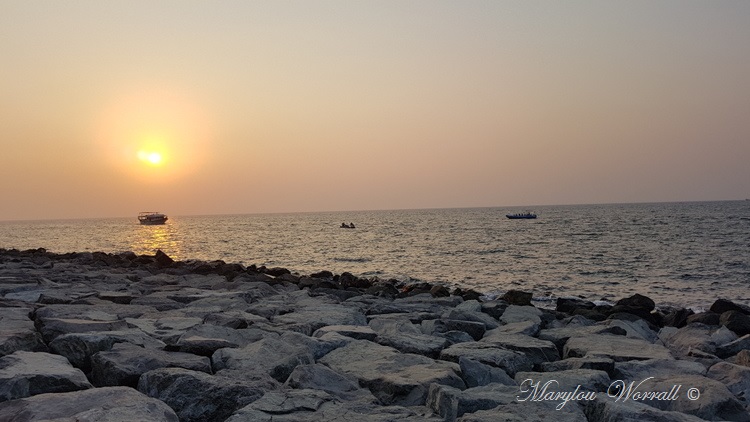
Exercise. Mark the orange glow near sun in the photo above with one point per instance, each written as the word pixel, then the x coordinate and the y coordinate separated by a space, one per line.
pixel 155 136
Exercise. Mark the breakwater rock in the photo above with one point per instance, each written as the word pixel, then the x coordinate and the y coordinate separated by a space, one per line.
pixel 112 337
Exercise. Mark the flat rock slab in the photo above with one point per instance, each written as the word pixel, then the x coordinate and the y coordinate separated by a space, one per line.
pixel 125 363
pixel 393 377
pixel 617 348
pixel 197 396
pixel 24 374
pixel 109 404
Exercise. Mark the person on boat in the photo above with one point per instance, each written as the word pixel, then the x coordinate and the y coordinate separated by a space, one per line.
pixel 344 226
pixel 351 225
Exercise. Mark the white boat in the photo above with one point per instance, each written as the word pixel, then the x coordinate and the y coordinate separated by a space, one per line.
pixel 152 218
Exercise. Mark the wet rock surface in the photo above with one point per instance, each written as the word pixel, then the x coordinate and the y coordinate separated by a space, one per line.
pixel 113 337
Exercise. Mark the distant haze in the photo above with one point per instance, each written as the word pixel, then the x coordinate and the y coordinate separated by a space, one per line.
pixel 193 107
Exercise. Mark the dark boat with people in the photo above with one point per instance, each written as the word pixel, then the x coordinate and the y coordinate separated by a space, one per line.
pixel 521 216
pixel 347 226
pixel 150 218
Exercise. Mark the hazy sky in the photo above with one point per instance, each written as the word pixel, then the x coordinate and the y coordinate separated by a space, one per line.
pixel 210 107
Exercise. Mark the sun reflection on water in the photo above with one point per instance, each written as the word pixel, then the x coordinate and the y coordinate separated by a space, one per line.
pixel 165 237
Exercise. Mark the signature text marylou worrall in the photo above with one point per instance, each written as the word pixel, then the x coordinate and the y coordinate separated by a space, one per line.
pixel 536 391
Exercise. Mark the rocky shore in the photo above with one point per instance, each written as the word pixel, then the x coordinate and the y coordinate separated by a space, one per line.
pixel 121 337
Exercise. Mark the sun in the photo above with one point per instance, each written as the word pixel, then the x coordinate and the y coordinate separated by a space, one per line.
pixel 147 132
pixel 152 158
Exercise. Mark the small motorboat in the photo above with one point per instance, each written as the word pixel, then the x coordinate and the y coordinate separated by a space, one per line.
pixel 347 226
pixel 152 218
pixel 521 216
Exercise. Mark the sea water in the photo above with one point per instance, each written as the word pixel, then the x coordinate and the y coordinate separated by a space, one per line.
pixel 685 254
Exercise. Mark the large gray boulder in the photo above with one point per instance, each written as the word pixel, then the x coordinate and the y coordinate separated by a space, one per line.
pixel 735 377
pixel 536 350
pixel 698 336
pixel 270 356
pixel 733 347
pixel 109 404
pixel 475 316
pixel 235 319
pixel 197 396
pixel 736 321
pixel 24 374
pixel 441 326
pixel 516 313
pixel 637 370
pixel 605 409
pixel 125 363
pixel 525 412
pixel 168 329
pixel 527 328
pixel 406 337
pixel 637 328
pixel 715 401
pixel 617 348
pixel 317 346
pixel 17 332
pixel 103 311
pixel 393 377
pixel 599 363
pixel 79 347
pixel 477 374
pixel 205 339
pixel 54 327
pixel 450 402
pixel 560 335
pixel 509 361
pixel 567 380
pixel 357 332
pixel 521 412
pixel 308 405
pixel 308 319
pixel 321 377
